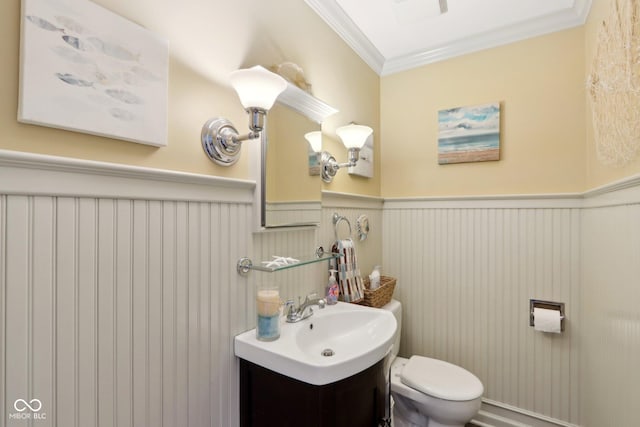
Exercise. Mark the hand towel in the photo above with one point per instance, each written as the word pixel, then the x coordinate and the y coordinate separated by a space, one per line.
pixel 346 265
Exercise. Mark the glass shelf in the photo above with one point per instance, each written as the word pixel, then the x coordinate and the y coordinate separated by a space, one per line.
pixel 245 264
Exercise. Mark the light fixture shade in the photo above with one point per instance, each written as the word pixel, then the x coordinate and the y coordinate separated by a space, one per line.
pixel 257 87
pixel 315 140
pixel 354 136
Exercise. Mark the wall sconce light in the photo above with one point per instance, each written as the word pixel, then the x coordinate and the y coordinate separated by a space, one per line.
pixel 257 89
pixel 353 137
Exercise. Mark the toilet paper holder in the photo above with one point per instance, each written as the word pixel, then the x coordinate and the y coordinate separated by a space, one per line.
pixel 549 305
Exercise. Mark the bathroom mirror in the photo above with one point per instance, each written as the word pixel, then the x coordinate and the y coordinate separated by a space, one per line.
pixel 291 184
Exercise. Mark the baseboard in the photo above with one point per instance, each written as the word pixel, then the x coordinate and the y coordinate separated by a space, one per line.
pixel 496 414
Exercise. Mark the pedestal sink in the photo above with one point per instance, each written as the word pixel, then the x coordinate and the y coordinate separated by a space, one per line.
pixel 335 343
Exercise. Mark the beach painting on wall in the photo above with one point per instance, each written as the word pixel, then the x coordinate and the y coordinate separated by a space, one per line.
pixel 85 69
pixel 469 134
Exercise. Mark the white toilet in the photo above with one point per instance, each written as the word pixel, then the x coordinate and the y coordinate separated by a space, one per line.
pixel 429 392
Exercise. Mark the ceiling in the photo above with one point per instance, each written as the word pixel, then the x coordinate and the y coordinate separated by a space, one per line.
pixel 397 35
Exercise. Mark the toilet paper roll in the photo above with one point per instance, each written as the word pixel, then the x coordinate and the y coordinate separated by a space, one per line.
pixel 546 320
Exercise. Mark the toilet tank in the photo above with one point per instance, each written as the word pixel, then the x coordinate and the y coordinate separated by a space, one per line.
pixel 395 307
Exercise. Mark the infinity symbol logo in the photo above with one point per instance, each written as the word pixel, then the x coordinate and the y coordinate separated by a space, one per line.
pixel 34 405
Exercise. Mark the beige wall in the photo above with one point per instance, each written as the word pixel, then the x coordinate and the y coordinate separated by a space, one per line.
pixel 598 174
pixel 207 40
pixel 547 143
pixel 540 85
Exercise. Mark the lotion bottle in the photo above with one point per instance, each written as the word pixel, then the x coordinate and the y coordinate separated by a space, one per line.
pixel 374 278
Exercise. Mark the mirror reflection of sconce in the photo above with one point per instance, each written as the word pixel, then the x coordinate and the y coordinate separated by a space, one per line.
pixel 257 89
pixel 353 137
pixel 315 140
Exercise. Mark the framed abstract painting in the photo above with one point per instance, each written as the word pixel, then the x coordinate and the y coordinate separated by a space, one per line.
pixel 83 68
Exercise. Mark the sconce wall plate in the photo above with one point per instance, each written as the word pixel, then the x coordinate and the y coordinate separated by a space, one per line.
pixel 218 141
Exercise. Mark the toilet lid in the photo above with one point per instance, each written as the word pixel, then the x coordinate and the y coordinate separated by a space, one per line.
pixel 441 379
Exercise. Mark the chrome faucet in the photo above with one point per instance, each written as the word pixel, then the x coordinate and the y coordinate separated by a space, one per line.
pixel 297 314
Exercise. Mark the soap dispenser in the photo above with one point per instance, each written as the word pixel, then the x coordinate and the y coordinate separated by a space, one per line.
pixel 332 288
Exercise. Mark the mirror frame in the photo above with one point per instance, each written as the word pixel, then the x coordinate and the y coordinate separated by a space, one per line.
pixel 309 106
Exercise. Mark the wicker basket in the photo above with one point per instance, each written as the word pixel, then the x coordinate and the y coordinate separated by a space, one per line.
pixel 380 296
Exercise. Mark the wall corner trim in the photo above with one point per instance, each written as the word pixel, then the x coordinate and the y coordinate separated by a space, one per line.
pixel 622 192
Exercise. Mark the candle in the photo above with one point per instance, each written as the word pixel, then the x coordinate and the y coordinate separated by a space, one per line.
pixel 268 314
pixel 268 302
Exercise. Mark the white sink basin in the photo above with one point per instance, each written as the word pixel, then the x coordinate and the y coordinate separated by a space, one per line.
pixel 357 336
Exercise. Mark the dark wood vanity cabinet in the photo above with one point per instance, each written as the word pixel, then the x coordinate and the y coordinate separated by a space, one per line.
pixel 269 399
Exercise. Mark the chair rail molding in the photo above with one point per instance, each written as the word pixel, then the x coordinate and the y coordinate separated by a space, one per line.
pixel 38 174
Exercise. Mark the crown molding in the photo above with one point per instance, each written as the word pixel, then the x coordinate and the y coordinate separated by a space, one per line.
pixel 338 20
pixel 543 25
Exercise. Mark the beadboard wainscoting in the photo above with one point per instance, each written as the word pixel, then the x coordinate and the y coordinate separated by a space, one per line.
pixel 119 294
pixel 120 299
pixel 466 270
pixel 610 327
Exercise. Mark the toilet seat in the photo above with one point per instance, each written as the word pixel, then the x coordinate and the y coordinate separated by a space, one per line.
pixel 441 379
